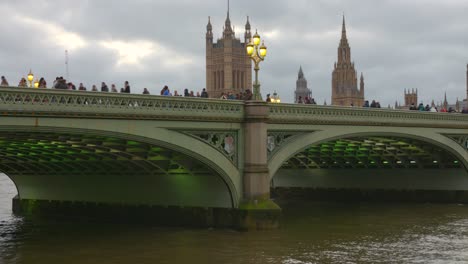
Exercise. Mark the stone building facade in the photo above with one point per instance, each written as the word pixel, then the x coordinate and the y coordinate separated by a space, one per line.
pixel 301 87
pixel 344 78
pixel 411 97
pixel 228 68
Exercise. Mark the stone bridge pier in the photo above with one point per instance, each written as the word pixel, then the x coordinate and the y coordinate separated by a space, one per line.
pixel 261 212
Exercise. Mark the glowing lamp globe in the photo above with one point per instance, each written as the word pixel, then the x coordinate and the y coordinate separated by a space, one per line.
pixel 250 49
pixel 263 50
pixel 30 76
pixel 256 39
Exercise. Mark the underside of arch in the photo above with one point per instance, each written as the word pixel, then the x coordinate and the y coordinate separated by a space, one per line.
pixel 108 169
pixel 374 162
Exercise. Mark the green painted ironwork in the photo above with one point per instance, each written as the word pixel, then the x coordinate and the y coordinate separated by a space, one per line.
pixel 372 153
pixel 108 169
pixel 226 142
pixel 36 153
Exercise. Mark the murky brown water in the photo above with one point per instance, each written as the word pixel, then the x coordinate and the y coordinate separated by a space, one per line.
pixel 311 233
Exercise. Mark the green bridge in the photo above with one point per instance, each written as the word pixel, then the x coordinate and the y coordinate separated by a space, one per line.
pixel 215 159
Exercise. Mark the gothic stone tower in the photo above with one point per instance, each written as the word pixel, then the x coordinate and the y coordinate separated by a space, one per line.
pixel 301 87
pixel 228 68
pixel 344 78
pixel 411 97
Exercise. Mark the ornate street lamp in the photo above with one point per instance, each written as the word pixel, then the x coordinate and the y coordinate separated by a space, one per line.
pixel 257 54
pixel 275 98
pixel 36 83
pixel 30 78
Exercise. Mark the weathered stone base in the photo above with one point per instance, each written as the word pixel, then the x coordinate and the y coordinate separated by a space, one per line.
pixel 368 195
pixel 263 216
pixel 259 215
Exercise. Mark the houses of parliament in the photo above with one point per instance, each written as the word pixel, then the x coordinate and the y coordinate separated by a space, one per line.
pixel 229 70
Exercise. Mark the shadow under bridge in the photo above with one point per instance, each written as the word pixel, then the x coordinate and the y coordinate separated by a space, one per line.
pixel 373 162
pixel 108 169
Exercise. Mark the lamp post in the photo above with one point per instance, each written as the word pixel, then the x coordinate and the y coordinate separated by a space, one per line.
pixel 36 83
pixel 257 54
pixel 30 77
pixel 275 98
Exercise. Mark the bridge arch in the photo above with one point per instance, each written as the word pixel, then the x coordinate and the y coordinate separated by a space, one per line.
pixel 200 152
pixel 431 136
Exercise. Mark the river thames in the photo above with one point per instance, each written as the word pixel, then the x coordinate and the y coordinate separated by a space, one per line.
pixel 310 233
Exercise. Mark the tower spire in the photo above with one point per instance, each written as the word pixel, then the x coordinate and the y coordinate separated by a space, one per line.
pixel 247 34
pixel 209 32
pixel 445 100
pixel 343 29
pixel 208 26
pixel 361 85
pixel 228 32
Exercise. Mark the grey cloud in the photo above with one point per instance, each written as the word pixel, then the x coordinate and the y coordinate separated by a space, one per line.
pixel 397 44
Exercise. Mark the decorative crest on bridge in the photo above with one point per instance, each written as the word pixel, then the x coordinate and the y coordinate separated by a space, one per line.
pixel 276 139
pixel 223 141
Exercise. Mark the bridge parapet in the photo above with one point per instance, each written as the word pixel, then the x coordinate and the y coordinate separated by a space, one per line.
pixel 51 102
pixel 332 115
pixel 47 102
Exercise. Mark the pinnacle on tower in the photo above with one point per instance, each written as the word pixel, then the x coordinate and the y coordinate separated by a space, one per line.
pixel 228 21
pixel 343 29
pixel 227 30
pixel 301 74
pixel 209 32
pixel 208 26
pixel 247 34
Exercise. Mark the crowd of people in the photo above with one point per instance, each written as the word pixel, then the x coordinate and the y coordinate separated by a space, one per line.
pixel 373 104
pixel 61 83
pixel 434 108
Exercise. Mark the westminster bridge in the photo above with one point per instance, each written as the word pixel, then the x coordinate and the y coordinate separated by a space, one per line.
pixel 68 149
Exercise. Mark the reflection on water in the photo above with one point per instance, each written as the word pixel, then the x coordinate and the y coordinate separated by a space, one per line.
pixel 311 233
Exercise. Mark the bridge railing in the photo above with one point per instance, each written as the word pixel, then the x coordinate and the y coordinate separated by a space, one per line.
pixel 117 105
pixel 53 102
pixel 314 114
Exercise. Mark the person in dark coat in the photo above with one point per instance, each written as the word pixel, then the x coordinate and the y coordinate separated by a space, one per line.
pixel 204 93
pixel 127 87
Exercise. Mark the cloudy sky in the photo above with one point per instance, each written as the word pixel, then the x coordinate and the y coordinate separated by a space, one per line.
pixel 397 44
